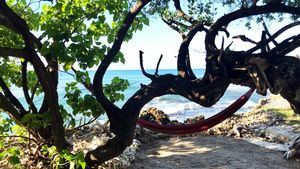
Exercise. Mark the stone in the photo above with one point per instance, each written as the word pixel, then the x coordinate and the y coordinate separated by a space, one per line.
pixel 194 119
pixel 279 133
pixel 154 114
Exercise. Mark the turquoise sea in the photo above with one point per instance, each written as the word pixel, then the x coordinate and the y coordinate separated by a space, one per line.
pixel 175 106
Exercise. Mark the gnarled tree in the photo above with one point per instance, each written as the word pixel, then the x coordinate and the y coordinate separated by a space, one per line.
pixel 259 67
pixel 67 38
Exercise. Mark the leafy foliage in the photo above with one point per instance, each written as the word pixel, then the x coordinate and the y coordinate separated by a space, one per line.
pixel 76 34
pixel 64 159
pixel 12 155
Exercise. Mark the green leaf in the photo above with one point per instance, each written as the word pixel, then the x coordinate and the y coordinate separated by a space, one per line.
pixel 3 154
pixel 14 160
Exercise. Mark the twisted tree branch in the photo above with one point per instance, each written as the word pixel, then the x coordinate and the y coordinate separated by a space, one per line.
pixel 264 43
pixel 19 53
pixel 113 112
pixel 25 88
pixel 143 69
pixel 9 108
pixel 268 33
pixel 183 61
pixel 46 82
pixel 174 28
pixel 8 94
pixel 182 14
pixel 244 12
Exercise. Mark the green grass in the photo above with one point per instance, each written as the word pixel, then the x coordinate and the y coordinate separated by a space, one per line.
pixel 288 114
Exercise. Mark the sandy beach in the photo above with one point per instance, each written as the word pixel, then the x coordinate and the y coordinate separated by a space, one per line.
pixel 209 152
pixel 217 150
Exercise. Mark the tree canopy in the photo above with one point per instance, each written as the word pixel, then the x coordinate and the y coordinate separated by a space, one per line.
pixel 40 39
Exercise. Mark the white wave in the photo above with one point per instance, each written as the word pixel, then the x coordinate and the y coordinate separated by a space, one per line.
pixel 182 109
pixel 233 87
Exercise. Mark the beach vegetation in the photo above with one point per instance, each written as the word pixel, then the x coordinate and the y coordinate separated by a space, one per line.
pixel 39 40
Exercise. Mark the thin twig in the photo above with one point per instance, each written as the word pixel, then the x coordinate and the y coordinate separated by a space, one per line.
pixel 262 43
pixel 142 67
pixel 174 28
pixel 244 38
pixel 89 122
pixel 268 33
pixel 179 23
pixel 157 65
pixel 182 14
pixel 89 87
pixel 66 72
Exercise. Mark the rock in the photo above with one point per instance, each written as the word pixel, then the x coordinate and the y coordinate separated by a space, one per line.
pixel 238 131
pixel 265 144
pixel 279 133
pixel 194 119
pixel 296 130
pixel 293 148
pixel 262 102
pixel 90 137
pixel 174 122
pixel 124 159
pixel 144 135
pixel 154 114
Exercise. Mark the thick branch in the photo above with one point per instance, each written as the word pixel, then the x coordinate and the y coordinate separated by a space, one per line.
pixel 118 124
pixel 268 33
pixel 287 46
pixel 183 62
pixel 25 88
pixel 19 53
pixel 263 39
pixel 48 87
pixel 180 12
pixel 112 110
pixel 4 22
pixel 198 91
pixel 8 107
pixel 244 12
pixel 8 94
pixel 264 43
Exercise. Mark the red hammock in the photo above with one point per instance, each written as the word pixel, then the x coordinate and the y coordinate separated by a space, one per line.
pixel 201 125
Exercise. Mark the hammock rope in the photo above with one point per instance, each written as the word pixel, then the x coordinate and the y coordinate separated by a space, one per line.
pixel 201 125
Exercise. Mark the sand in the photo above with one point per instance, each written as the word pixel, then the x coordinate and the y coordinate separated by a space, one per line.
pixel 209 152
pixel 216 151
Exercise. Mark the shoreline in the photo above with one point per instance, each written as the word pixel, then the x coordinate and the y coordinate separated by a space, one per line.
pixel 259 133
pixel 241 141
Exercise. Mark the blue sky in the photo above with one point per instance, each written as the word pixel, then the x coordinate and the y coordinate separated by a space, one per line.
pixel 158 39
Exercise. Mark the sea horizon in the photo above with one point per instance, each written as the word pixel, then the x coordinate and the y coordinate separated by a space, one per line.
pixel 177 107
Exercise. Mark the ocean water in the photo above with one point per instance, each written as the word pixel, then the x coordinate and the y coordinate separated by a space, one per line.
pixel 175 106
